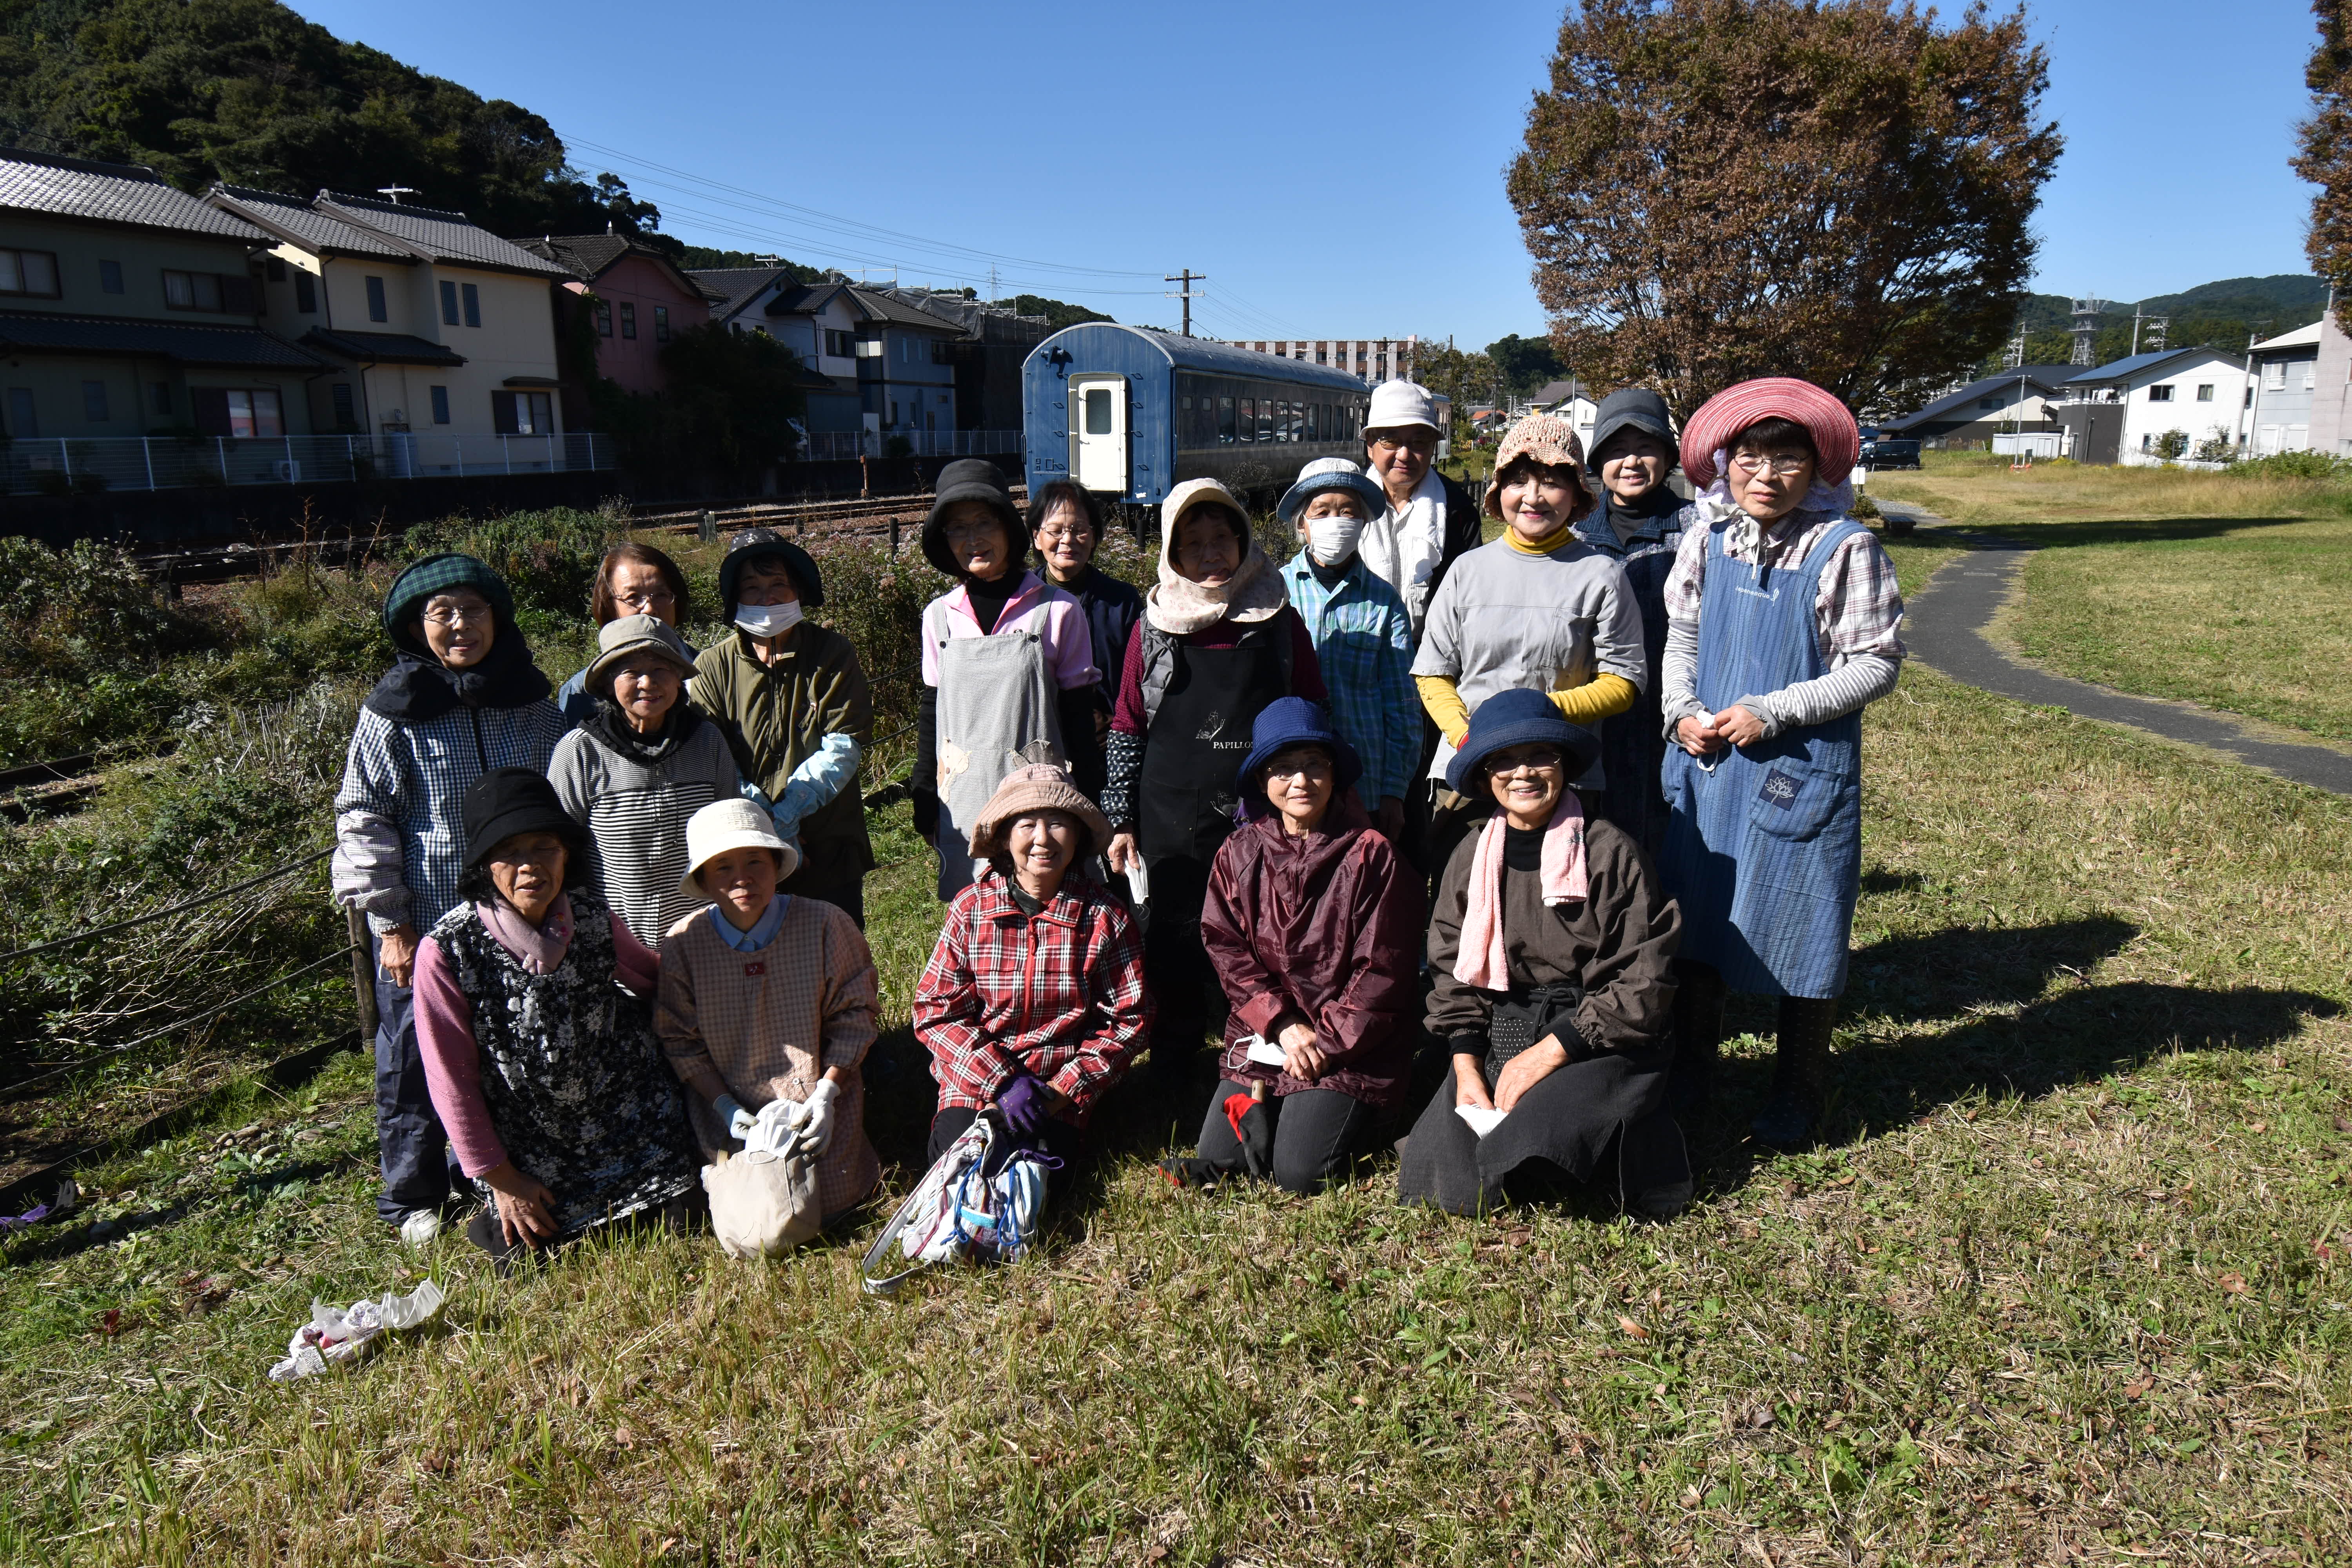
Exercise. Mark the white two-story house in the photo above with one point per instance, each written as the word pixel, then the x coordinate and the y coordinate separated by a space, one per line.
pixel 442 331
pixel 2122 412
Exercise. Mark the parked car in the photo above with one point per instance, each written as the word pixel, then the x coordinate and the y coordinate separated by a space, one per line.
pixel 1889 452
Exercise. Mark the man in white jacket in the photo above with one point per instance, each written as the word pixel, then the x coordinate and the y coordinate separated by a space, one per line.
pixel 1431 520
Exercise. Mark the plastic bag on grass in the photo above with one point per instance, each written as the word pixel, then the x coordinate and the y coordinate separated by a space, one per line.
pixel 337 1336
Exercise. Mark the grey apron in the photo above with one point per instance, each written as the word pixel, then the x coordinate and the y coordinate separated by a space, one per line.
pixel 995 700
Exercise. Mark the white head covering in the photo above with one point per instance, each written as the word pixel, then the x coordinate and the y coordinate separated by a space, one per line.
pixel 1397 403
pixel 725 825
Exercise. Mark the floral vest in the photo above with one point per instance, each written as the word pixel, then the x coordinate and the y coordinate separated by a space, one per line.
pixel 572 1072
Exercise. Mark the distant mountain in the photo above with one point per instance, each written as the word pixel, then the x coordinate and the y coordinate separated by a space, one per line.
pixel 703 258
pixel 2220 315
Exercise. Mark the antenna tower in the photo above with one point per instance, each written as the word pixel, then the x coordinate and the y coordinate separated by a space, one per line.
pixel 2086 315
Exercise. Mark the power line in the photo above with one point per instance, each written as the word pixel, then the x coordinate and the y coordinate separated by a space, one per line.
pixel 854 226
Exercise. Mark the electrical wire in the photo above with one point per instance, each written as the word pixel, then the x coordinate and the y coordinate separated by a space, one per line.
pixel 200 899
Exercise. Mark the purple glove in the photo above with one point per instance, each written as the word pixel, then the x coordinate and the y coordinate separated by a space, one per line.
pixel 1024 1103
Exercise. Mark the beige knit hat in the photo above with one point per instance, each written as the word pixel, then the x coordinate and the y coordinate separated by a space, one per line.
pixel 626 637
pixel 1549 438
pixel 725 825
pixel 1040 786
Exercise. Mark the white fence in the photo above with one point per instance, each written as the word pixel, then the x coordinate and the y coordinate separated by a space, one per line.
pixel 823 444
pixel 65 465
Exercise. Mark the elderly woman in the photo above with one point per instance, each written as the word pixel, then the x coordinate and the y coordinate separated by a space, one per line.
pixel 1065 527
pixel 632 579
pixel 462 697
pixel 1550 951
pixel 1537 610
pixel 1362 636
pixel 1782 616
pixel 1639 524
pixel 793 699
pixel 1219 641
pixel 642 763
pixel 1313 924
pixel 766 997
pixel 1033 1000
pixel 532 1011
pixel 1008 666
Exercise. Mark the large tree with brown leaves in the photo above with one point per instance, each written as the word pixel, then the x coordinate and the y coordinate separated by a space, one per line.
pixel 1719 189
pixel 2324 155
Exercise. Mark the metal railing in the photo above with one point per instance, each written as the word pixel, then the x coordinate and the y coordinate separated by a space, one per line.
pixel 826 444
pixel 72 464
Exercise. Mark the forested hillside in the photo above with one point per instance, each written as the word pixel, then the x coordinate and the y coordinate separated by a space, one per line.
pixel 2218 315
pixel 245 91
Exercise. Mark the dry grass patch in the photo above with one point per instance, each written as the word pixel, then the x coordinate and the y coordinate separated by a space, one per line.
pixel 1981 493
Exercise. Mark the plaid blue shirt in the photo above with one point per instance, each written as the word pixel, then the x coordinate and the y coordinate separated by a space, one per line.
pixel 1363 640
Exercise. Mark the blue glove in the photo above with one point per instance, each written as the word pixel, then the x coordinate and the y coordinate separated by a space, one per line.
pixel 820 776
pixel 1024 1103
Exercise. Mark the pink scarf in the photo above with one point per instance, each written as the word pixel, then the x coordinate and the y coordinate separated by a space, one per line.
pixel 1481 959
pixel 539 949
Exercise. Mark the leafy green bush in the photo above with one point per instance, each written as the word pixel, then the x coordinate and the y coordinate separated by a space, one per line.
pixel 85 609
pixel 548 558
pixel 2292 465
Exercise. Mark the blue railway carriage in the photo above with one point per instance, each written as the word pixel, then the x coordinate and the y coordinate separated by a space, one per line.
pixel 1129 413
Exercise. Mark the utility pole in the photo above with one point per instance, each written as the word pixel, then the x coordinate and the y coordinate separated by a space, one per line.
pixel 1185 280
pixel 2157 328
pixel 991 283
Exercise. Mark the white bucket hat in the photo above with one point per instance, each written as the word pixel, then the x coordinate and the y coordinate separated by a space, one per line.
pixel 1397 403
pixel 725 825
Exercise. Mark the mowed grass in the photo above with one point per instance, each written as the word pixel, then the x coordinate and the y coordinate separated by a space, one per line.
pixel 1976 488
pixel 2067 1282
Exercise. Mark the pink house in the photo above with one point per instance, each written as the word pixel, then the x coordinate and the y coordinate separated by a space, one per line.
pixel 636 300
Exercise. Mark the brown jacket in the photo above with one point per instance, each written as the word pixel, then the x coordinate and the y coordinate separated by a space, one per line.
pixel 775 715
pixel 1619 943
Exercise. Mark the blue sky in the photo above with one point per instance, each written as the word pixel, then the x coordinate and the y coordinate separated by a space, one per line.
pixel 1336 170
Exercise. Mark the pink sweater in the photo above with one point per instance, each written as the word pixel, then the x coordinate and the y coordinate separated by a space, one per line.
pixel 453 1061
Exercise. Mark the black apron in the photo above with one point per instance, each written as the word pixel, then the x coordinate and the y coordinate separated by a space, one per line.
pixel 1200 737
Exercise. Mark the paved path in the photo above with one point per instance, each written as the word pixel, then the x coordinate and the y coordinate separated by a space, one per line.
pixel 1945 629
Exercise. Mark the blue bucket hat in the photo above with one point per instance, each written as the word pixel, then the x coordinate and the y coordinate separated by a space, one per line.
pixel 1519 717
pixel 1289 721
pixel 1331 474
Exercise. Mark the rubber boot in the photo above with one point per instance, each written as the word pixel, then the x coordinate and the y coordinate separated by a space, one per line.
pixel 1800 1072
pixel 1698 1035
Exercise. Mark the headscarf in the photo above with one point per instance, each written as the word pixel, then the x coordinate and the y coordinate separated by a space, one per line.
pixel 1178 605
pixel 419 688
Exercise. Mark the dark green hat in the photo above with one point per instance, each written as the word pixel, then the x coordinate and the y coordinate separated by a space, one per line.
pixel 438 574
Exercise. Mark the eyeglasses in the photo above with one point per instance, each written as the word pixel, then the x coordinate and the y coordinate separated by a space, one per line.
pixel 459 616
pixel 1784 468
pixel 643 600
pixel 1506 764
pixel 969 532
pixel 1390 442
pixel 1307 768
pixel 1065 535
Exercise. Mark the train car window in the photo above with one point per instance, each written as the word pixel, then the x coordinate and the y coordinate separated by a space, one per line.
pixel 1099 411
pixel 1266 419
pixel 1249 418
pixel 1313 429
pixel 1225 421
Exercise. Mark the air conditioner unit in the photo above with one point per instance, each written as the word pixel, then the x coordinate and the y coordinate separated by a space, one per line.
pixel 288 470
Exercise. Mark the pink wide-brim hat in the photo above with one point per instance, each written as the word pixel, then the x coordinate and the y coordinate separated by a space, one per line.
pixel 1837 440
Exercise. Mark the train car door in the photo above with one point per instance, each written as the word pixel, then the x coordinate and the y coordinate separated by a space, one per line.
pixel 1098 433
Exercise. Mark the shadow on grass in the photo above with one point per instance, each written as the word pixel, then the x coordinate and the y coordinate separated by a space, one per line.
pixel 2126 531
pixel 2019 1043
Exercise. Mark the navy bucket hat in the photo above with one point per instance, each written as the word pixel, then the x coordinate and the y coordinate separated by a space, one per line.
pixel 1519 717
pixel 1288 722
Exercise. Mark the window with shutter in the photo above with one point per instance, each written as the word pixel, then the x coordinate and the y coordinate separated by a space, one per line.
pixel 448 303
pixel 473 293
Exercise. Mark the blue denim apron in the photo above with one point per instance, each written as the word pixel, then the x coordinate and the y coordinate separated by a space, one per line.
pixel 1764 847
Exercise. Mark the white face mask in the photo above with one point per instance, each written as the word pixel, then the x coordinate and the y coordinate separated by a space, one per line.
pixel 768 620
pixel 1331 540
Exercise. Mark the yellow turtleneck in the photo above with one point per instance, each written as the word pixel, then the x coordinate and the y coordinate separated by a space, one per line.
pixel 1544 546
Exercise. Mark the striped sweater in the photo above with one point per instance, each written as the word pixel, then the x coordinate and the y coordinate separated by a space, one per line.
pixel 638 816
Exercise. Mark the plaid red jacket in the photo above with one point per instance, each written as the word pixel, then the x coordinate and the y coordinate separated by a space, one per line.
pixel 1059 995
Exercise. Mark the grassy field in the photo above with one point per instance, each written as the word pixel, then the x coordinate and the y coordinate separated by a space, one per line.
pixel 2068 1282
pixel 2231 591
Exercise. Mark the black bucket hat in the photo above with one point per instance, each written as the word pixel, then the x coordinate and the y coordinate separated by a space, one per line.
pixel 754 543
pixel 1519 717
pixel 508 801
pixel 1636 407
pixel 970 479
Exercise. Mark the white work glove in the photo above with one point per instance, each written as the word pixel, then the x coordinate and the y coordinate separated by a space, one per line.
pixel 823 1112
pixel 739 1120
pixel 780 1128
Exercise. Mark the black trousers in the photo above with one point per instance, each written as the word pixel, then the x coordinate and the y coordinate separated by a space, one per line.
pixel 1318 1132
pixel 1183 983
